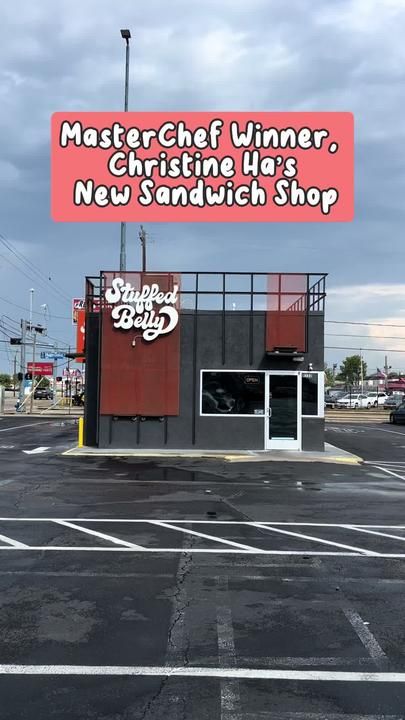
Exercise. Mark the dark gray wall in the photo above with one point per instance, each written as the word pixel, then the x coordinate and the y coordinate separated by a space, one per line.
pixel 313 433
pixel 213 340
pixel 92 379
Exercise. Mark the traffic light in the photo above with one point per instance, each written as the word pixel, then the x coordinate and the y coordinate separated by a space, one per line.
pixel 15 341
pixel 20 377
pixel 58 379
pixel 28 376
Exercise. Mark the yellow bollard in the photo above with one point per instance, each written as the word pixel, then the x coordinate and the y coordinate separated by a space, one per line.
pixel 81 433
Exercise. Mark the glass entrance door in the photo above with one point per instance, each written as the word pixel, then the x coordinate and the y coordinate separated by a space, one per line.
pixel 283 402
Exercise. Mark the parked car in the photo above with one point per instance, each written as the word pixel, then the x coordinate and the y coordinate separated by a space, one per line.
pixel 393 401
pixel 377 398
pixel 354 400
pixel 43 394
pixel 332 396
pixel 398 415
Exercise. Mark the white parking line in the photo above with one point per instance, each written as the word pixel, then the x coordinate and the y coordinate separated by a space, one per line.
pixel 219 551
pixel 390 472
pixel 384 462
pixel 314 539
pixel 391 432
pixel 276 715
pixel 366 637
pixel 21 427
pixel 298 662
pixel 110 538
pixel 13 543
pixel 196 522
pixel 375 532
pixel 207 672
pixel 204 535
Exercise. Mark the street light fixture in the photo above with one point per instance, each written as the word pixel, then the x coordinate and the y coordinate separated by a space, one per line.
pixel 126 35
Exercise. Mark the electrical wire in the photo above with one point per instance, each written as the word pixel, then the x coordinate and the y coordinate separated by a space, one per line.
pixel 29 277
pixel 369 337
pixel 349 322
pixel 363 349
pixel 32 267
pixel 35 312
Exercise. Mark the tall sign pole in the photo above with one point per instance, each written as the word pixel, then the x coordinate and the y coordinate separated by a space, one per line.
pixel 22 361
pixel 34 346
pixel 142 237
pixel 125 34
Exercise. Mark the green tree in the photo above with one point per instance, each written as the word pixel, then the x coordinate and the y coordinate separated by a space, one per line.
pixel 5 380
pixel 329 377
pixel 44 384
pixel 350 370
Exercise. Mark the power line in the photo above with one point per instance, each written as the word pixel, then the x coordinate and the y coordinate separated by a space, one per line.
pixel 33 268
pixel 384 350
pixel 35 280
pixel 347 322
pixel 369 337
pixel 35 312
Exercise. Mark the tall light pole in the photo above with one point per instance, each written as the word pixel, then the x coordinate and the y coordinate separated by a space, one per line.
pixel 31 303
pixel 126 35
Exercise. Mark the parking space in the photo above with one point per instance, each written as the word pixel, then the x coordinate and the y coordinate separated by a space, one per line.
pixel 226 536
pixel 197 589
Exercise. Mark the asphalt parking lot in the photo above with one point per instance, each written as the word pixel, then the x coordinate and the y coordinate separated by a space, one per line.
pixel 200 589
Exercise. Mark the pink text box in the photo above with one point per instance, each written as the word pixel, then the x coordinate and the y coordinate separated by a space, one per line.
pixel 292 167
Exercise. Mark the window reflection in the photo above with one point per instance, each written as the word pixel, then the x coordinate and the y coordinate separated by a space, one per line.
pixel 310 394
pixel 232 393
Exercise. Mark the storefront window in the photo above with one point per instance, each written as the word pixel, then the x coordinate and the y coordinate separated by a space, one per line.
pixel 310 394
pixel 232 393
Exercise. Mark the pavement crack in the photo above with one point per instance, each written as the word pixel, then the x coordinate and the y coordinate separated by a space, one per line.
pixel 177 649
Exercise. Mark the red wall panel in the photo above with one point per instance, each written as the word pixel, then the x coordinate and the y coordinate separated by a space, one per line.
pixel 80 334
pixel 286 312
pixel 145 379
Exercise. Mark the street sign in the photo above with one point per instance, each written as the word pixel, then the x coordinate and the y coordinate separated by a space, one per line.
pixel 40 368
pixel 71 373
pixel 52 356
pixel 80 304
pixel 77 304
pixel 80 334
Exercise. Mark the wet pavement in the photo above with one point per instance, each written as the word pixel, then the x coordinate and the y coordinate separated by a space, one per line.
pixel 197 588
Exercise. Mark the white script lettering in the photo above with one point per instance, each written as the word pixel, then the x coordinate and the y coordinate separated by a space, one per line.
pixel 136 308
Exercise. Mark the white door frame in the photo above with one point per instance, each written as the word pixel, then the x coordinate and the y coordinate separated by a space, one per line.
pixel 280 443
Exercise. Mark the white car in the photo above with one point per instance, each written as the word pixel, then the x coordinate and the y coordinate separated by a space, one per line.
pixel 377 398
pixel 355 400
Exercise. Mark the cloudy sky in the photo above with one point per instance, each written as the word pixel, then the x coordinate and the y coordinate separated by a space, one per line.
pixel 212 55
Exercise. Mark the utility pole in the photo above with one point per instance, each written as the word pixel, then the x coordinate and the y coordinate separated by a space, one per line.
pixel 386 370
pixel 126 35
pixel 69 384
pixel 142 237
pixel 31 304
pixel 22 361
pixel 15 373
pixel 33 371
pixel 361 371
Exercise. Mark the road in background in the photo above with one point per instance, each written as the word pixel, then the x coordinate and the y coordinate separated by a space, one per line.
pixel 373 442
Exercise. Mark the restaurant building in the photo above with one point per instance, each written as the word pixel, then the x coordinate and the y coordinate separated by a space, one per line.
pixel 211 361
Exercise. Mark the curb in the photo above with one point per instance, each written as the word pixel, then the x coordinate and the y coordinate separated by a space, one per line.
pixel 245 458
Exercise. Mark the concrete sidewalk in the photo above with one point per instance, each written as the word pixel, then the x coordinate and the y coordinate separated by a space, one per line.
pixel 331 454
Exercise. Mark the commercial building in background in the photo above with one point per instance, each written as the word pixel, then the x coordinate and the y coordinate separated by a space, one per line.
pixel 230 361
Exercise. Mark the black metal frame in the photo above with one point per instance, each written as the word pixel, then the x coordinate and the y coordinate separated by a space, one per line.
pixel 313 300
